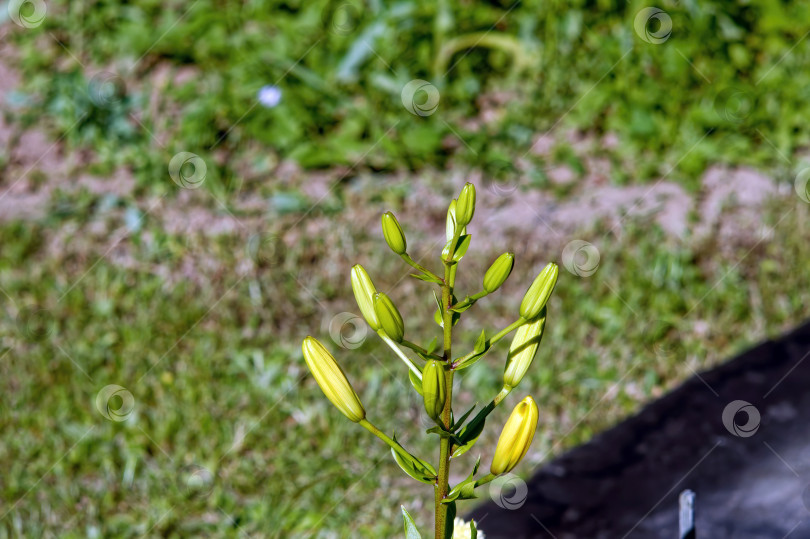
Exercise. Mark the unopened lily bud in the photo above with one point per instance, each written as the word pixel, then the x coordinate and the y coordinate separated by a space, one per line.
pixel 389 317
pixel 538 293
pixel 450 224
pixel 393 234
pixel 516 437
pixel 522 351
pixel 498 272
pixel 332 380
pixel 364 295
pixel 465 207
pixel 434 388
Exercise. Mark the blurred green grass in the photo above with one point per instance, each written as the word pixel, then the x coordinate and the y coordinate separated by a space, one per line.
pixel 229 436
pixel 721 87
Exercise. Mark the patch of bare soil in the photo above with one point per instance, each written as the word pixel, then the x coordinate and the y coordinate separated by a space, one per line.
pixel 728 206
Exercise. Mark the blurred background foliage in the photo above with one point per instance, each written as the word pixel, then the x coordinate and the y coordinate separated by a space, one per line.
pixel 722 89
pixel 159 295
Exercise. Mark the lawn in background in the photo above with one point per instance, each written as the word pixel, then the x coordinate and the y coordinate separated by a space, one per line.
pixel 225 434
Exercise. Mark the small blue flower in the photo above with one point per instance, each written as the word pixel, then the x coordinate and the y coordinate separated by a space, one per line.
pixel 270 95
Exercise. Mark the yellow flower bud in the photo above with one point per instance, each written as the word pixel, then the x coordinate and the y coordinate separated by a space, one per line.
pixel 332 380
pixel 522 351
pixel 364 295
pixel 465 207
pixel 498 272
pixel 388 316
pixel 434 388
pixel 516 437
pixel 393 234
pixel 538 293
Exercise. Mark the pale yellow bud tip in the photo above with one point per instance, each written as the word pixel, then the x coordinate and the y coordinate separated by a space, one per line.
pixel 332 380
pixel 516 437
pixel 364 291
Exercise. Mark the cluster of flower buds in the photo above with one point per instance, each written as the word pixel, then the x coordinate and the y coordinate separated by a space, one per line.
pixel 434 380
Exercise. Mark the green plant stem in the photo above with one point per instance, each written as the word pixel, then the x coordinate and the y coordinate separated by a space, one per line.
pixel 442 481
pixel 470 300
pixel 505 390
pixel 484 480
pixel 418 349
pixel 382 436
pixel 414 264
pixel 495 338
pixel 416 370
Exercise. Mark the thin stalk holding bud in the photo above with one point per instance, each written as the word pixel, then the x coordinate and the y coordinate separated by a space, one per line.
pixel 411 365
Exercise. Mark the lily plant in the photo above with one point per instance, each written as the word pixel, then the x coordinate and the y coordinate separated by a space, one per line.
pixel 431 368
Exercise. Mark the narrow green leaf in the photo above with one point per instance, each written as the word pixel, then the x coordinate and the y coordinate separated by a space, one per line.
pixel 481 343
pixel 438 316
pixel 413 466
pixel 431 347
pixel 471 431
pixel 469 361
pixel 466 489
pixel 464 447
pixel 410 526
pixel 444 433
pixel 425 277
pixel 456 251
pixel 415 381
pixel 461 247
pixel 464 417
pixel 451 515
pixel 466 304
pixel 473 530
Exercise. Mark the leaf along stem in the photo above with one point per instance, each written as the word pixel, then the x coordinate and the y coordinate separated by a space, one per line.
pixel 492 340
pixel 419 350
pixel 414 264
